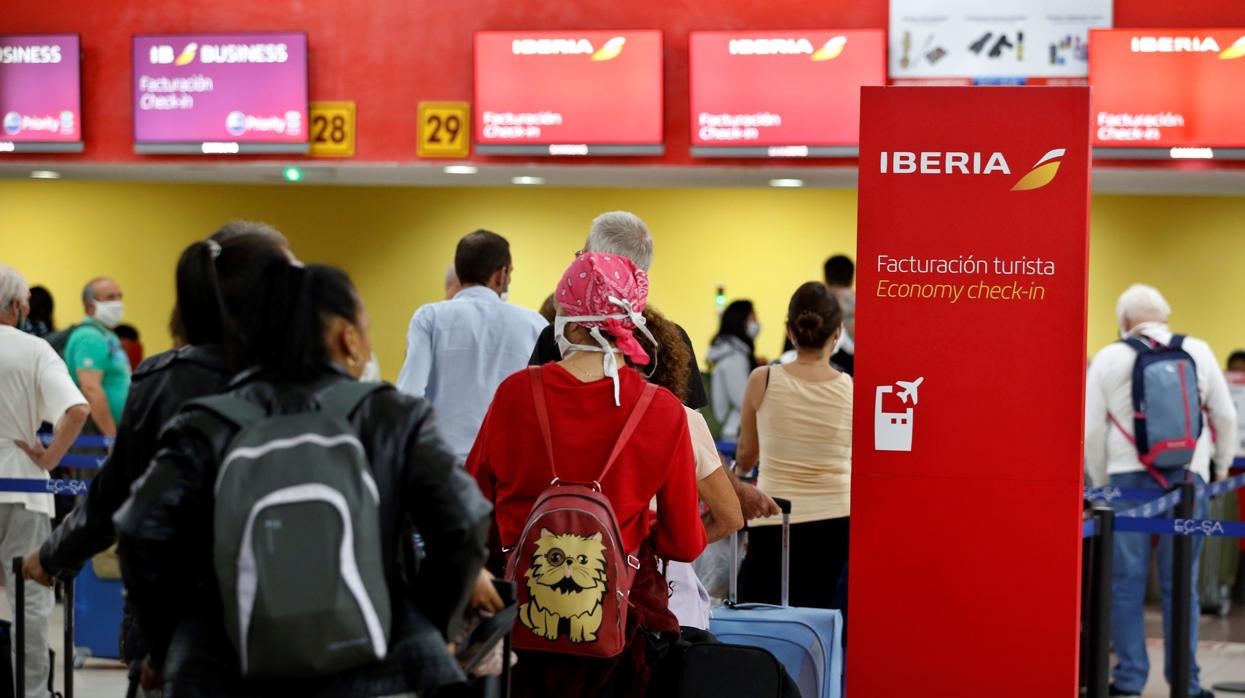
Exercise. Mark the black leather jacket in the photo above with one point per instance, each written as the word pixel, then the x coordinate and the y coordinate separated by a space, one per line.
pixel 160 386
pixel 165 535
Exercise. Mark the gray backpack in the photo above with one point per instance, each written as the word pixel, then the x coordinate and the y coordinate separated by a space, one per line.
pixel 297 539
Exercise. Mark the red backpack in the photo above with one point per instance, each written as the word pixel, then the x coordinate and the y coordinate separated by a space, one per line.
pixel 571 573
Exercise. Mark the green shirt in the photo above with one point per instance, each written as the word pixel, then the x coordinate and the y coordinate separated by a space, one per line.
pixel 94 347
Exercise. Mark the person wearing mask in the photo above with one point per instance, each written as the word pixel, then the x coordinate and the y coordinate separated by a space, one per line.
pixel 840 274
pixel 1111 458
pixel 689 601
pixel 305 331
pixel 624 233
pixel 733 356
pixel 590 394
pixel 96 360
pixel 214 281
pixel 797 425
pixel 458 351
pixel 40 322
pixel 36 389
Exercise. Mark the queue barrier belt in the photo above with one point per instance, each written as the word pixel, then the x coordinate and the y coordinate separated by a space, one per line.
pixel 84 441
pixel 1089 528
pixel 1182 527
pixel 41 486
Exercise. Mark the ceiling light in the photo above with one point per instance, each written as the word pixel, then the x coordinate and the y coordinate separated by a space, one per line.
pixel 460 169
pixel 1192 154
pixel 527 180
pixel 788 183
pixel 45 174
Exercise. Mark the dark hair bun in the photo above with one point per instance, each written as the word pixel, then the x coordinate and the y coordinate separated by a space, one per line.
pixel 813 315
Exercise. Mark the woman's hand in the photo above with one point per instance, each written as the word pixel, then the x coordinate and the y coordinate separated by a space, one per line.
pixel 485 596
pixel 32 569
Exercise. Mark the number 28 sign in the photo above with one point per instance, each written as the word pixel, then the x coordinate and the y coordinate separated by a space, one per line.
pixel 332 129
pixel 444 129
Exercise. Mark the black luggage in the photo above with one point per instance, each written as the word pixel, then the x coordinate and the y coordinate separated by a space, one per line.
pixel 713 670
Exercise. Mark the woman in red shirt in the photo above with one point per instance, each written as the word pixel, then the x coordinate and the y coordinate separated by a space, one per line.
pixel 590 395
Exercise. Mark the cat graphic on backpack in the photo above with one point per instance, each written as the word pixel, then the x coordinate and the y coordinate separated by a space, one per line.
pixel 567 581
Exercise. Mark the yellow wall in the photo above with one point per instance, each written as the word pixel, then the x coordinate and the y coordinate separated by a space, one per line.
pixel 396 243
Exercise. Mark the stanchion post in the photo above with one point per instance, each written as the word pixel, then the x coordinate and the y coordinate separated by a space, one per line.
pixel 68 649
pixel 1100 642
pixel 1089 547
pixel 1182 589
pixel 18 588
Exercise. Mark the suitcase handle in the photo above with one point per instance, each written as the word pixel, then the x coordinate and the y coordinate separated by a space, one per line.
pixel 18 589
pixel 732 599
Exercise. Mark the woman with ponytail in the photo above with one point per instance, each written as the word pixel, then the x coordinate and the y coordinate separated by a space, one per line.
pixel 305 340
pixel 213 282
pixel 797 425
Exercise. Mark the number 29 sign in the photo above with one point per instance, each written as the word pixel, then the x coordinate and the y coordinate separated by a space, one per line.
pixel 444 129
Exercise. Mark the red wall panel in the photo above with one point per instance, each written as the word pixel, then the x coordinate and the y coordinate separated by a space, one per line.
pixel 388 55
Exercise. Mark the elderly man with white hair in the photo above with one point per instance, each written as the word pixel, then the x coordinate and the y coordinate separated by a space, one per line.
pixel 1130 448
pixel 625 234
pixel 36 388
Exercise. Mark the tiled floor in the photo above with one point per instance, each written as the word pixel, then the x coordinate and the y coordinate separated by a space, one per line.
pixel 1221 656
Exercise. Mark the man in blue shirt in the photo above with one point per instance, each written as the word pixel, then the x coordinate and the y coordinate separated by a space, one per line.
pixel 458 351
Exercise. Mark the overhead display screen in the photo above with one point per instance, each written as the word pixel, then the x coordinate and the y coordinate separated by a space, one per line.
pixel 40 94
pixel 1160 93
pixel 568 93
pixel 781 93
pixel 220 93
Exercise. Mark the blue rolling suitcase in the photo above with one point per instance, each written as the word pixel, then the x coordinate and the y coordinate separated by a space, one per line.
pixel 807 641
pixel 98 606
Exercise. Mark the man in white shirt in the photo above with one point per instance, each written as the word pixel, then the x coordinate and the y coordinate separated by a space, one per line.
pixel 1112 458
pixel 458 351
pixel 37 388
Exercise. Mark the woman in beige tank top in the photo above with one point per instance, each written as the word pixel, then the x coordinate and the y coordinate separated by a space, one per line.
pixel 797 426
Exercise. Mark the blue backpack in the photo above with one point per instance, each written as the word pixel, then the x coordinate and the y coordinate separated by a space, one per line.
pixel 1167 408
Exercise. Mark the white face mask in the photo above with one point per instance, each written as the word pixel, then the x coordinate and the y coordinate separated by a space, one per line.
pixel 753 329
pixel 371 371
pixel 109 312
pixel 610 358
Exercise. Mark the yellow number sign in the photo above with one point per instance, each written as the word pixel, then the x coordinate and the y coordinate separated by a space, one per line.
pixel 444 129
pixel 332 129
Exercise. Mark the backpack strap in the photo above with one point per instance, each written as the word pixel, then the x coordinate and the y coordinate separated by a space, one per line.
pixel 232 409
pixel 344 396
pixel 537 381
pixel 1177 341
pixel 633 422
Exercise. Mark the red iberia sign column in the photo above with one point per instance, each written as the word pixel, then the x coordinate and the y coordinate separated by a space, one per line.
pixel 970 367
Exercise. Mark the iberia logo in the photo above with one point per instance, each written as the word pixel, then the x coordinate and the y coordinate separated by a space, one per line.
pixel 1043 172
pixel 611 50
pixel 831 49
pixel 187 55
pixel 1236 50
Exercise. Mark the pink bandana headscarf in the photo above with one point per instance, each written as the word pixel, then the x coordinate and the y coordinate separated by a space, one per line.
pixel 605 293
